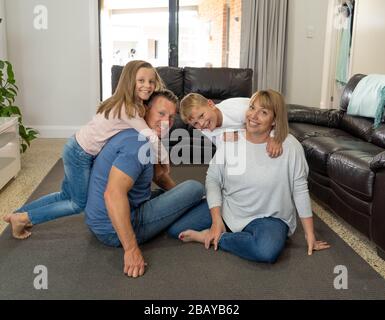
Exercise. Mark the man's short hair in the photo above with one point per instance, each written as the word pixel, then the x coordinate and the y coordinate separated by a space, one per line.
pixel 192 100
pixel 168 94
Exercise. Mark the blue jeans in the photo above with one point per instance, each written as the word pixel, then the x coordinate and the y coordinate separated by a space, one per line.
pixel 72 198
pixel 262 240
pixel 158 213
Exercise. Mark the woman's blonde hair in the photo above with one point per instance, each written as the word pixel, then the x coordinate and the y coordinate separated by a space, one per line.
pixel 124 94
pixel 192 100
pixel 274 101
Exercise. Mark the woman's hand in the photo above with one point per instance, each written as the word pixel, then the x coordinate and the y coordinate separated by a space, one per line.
pixel 313 244
pixel 273 148
pixel 217 228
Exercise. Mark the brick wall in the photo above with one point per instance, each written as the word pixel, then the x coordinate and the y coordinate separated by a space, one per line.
pixel 235 33
pixel 212 11
pixel 215 12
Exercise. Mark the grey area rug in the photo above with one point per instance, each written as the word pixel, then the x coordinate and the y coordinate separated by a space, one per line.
pixel 79 267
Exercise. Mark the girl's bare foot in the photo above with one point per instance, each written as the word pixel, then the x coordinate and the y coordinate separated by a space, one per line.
pixel 19 223
pixel 192 235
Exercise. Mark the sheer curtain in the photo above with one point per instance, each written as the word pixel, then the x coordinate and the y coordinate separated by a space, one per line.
pixel 263 39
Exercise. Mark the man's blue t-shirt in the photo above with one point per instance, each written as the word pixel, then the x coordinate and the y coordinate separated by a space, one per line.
pixel 129 152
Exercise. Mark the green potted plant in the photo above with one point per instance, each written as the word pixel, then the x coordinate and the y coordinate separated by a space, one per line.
pixel 8 92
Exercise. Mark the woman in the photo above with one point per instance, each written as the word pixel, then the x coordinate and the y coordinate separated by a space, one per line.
pixel 253 199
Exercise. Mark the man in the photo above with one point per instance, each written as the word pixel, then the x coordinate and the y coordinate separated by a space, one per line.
pixel 121 209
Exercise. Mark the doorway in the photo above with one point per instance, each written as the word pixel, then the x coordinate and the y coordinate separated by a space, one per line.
pixel 337 53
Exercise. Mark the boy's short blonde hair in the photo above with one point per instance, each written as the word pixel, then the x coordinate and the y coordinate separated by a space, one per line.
pixel 192 100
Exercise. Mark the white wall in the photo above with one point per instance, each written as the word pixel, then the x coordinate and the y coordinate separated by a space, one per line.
pixel 57 70
pixel 3 40
pixel 305 53
pixel 368 46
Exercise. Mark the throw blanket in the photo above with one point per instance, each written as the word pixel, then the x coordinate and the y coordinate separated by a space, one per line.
pixel 368 98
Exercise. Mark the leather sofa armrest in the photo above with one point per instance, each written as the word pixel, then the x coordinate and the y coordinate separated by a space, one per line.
pixel 378 162
pixel 324 117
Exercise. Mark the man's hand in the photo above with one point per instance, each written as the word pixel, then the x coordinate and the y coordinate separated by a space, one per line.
pixel 217 228
pixel 273 148
pixel 313 244
pixel 134 263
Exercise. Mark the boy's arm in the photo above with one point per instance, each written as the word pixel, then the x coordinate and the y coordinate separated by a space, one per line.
pixel 274 148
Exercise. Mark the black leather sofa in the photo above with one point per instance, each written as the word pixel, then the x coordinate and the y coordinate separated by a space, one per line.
pixel 187 145
pixel 346 157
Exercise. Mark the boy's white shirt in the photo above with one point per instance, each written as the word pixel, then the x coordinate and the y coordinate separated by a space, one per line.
pixel 234 118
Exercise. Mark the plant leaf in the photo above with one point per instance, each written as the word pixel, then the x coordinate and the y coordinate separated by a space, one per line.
pixel 8 93
pixel 10 74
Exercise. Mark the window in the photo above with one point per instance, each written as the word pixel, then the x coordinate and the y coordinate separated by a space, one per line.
pixel 204 32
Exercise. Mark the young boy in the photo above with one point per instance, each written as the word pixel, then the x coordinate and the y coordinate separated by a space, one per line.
pixel 214 120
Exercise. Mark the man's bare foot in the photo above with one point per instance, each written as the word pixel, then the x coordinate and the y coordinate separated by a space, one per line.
pixel 19 223
pixel 192 235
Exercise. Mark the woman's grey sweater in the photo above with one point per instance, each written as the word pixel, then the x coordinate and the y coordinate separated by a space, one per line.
pixel 247 184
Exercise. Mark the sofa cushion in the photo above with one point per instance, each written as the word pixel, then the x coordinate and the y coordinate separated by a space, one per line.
pixel 351 199
pixel 218 83
pixel 350 170
pixel 378 136
pixel 304 131
pixel 318 150
pixel 173 79
pixel 322 117
pixel 348 90
pixel 359 127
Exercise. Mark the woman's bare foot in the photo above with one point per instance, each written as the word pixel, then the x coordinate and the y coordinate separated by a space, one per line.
pixel 192 235
pixel 19 223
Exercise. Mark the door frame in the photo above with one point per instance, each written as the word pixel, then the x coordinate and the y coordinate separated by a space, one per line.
pixel 328 88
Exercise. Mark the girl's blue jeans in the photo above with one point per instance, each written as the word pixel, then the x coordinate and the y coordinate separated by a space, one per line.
pixel 72 198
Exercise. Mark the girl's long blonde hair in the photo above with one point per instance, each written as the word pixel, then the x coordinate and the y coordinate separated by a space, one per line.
pixel 124 94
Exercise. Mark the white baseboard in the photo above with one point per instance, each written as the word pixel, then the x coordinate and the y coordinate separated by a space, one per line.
pixel 55 131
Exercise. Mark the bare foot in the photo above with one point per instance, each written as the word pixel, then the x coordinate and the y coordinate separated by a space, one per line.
pixel 19 223
pixel 192 235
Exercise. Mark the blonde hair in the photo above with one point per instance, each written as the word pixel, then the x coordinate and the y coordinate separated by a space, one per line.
pixel 124 94
pixel 274 101
pixel 192 100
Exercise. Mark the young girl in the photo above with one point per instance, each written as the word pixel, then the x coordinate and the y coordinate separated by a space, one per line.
pixel 123 110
